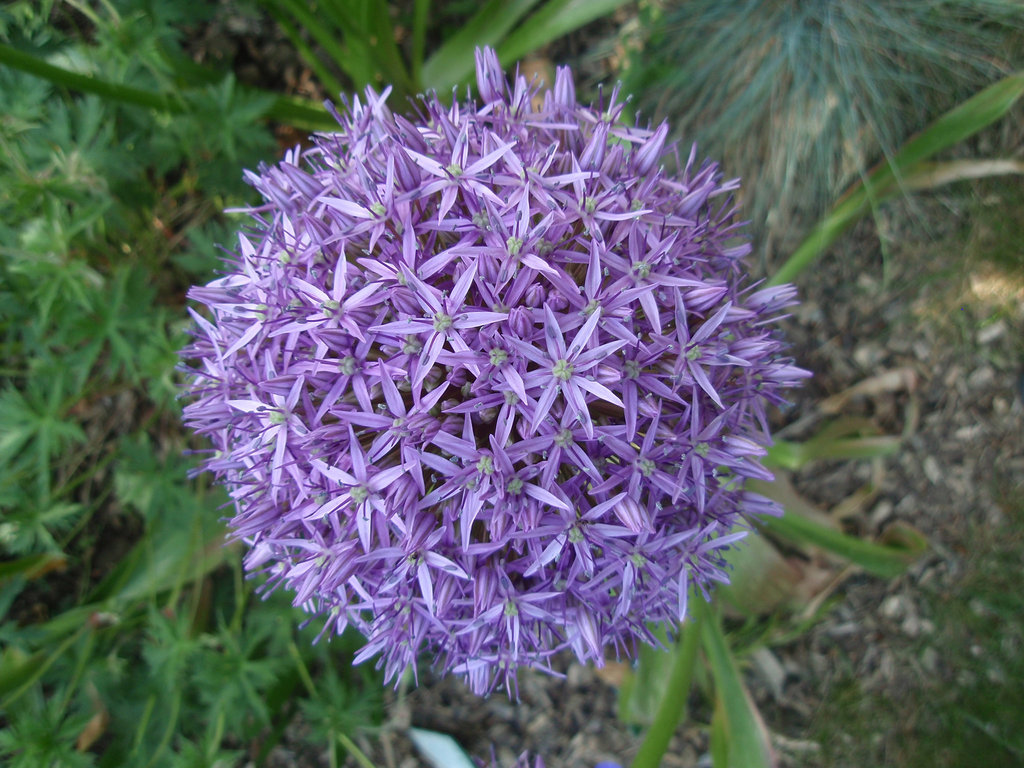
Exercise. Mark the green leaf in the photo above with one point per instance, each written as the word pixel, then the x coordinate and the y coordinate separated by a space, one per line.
pixel 761 580
pixel 887 561
pixel 300 113
pixel 168 557
pixel 18 669
pixel 294 34
pixel 453 62
pixel 336 31
pixel 743 734
pixel 842 438
pixel 31 566
pixel 555 19
pixel 150 481
pixel 44 734
pixel 889 179
pixel 672 708
pixel 174 552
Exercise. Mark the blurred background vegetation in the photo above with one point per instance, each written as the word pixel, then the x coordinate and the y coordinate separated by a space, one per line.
pixel 128 634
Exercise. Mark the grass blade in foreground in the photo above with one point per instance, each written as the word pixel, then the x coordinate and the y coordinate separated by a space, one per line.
pixel 673 705
pixel 552 21
pixel 887 561
pixel 744 736
pixel 453 62
pixel 300 113
pixel 890 178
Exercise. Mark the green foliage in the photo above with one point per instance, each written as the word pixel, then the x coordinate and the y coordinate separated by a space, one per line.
pixel 800 99
pixel 43 733
pixel 128 636
pixel 353 42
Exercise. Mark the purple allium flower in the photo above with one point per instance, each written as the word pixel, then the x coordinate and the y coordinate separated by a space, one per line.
pixel 488 384
pixel 538 762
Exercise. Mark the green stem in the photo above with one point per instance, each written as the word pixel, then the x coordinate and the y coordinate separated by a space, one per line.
pixel 421 13
pixel 300 113
pixel 300 666
pixel 327 80
pixel 39 671
pixel 354 751
pixel 75 81
pixel 672 708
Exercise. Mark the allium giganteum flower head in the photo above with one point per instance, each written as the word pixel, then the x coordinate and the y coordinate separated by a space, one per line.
pixel 488 384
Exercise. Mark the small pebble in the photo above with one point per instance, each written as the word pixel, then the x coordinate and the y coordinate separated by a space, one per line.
pixel 893 607
pixel 990 333
pixel 930 660
pixel 981 377
pixel 882 512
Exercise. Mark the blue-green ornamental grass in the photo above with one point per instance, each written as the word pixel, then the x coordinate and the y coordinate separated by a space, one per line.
pixel 803 98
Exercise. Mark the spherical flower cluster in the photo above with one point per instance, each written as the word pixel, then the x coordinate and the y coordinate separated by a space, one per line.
pixel 488 384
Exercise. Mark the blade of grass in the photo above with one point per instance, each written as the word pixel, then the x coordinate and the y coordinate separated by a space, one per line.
pixel 879 559
pixel 672 708
pixel 31 566
pixel 366 65
pixel 743 733
pixel 323 74
pixel 356 62
pixel 791 455
pixel 453 62
pixel 552 21
pixel 20 675
pixel 76 81
pixel 382 40
pixel 300 113
pixel 888 179
pixel 420 15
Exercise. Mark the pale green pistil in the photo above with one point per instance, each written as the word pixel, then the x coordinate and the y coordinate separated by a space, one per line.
pixel 515 486
pixel 632 369
pixel 693 353
pixel 485 466
pixel 646 467
pixel 359 494
pixel 514 245
pixel 563 370
pixel 348 366
pixel 442 322
pixel 378 209
pixel 498 356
